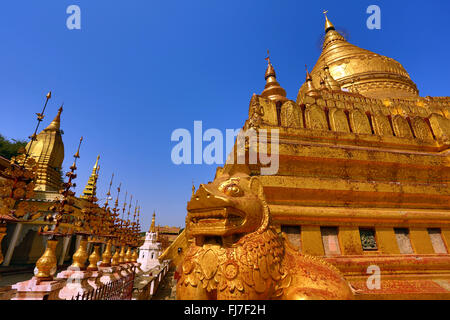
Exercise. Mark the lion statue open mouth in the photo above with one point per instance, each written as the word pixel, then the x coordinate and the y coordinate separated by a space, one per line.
pixel 237 255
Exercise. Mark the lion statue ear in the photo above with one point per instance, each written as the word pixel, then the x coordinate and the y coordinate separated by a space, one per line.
pixel 256 187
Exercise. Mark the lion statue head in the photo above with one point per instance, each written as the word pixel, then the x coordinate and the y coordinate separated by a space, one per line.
pixel 229 207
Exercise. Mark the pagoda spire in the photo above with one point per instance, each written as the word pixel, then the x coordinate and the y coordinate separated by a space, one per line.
pixel 56 123
pixel 47 149
pixel 91 187
pixel 310 89
pixel 152 227
pixel 328 24
pixel 272 90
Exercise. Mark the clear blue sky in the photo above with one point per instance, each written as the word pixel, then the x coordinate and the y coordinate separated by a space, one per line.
pixel 139 69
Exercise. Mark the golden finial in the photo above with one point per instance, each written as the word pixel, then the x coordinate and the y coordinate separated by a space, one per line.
pixel 268 57
pixel 55 124
pixel 270 72
pixel 33 137
pixel 272 90
pixel 108 194
pixel 193 188
pixel 96 163
pixel 77 154
pixel 310 89
pixel 116 203
pixel 135 210
pixel 129 208
pixel 308 75
pixel 152 227
pixel 328 25
pixel 124 204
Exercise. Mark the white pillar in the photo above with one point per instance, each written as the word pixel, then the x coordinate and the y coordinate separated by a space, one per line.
pixel 66 242
pixel 12 244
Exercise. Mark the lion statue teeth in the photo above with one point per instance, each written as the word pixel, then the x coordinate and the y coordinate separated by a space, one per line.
pixel 237 255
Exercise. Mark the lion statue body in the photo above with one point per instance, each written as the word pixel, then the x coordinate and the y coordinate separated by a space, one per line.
pixel 237 255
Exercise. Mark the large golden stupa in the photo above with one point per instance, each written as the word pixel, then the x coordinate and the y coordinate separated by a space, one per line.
pixel 359 70
pixel 362 185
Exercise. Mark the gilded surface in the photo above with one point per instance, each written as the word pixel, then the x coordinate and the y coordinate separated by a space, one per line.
pixel 47 263
pixel 238 255
pixel 106 256
pixel 48 152
pixel 115 258
pixel 374 155
pixel 94 258
pixel 359 70
pixel 80 256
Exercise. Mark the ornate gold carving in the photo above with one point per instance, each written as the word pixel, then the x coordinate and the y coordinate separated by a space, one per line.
pixel 268 111
pixel 338 120
pixel 256 113
pixel 381 125
pixel 238 256
pixel 17 188
pixel 291 115
pixel 315 118
pixel 421 129
pixel 401 127
pixel 359 122
pixel 441 127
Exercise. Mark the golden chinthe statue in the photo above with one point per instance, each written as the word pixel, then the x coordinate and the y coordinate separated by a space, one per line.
pixel 237 255
pixel 360 204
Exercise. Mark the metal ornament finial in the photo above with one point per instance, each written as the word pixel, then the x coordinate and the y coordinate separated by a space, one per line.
pixel 268 56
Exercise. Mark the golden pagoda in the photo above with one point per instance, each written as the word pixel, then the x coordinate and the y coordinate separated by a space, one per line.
pixel 362 185
pixel 360 70
pixel 48 151
pixel 91 186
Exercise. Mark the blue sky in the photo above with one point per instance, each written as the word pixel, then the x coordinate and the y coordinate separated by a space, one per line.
pixel 139 69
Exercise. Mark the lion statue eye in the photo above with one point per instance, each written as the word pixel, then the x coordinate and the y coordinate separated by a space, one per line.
pixel 232 190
